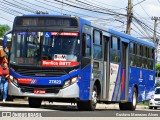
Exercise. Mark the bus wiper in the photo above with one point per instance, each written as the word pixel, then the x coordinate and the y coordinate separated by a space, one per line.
pixel 57 35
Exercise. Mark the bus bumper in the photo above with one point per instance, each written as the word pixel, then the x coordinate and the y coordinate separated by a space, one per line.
pixel 71 91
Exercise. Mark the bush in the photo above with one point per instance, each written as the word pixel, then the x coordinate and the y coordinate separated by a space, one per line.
pixel 157 84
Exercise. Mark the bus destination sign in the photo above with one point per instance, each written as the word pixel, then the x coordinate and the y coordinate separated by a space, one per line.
pixel 45 21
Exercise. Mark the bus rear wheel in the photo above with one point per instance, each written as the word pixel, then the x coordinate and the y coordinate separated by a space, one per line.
pixel 130 105
pixel 91 104
pixel 155 107
pixel 34 102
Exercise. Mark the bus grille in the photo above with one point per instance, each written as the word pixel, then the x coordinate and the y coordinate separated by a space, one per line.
pixel 41 73
pixel 48 89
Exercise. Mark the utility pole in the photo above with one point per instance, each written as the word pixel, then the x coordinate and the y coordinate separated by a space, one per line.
pixel 129 17
pixel 155 41
pixel 62 8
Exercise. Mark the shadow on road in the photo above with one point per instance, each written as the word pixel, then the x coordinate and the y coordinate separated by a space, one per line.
pixel 51 107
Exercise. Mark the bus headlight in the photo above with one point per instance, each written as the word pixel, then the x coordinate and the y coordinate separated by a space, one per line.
pixel 11 77
pixel 13 80
pixel 73 80
pixel 70 82
pixel 67 83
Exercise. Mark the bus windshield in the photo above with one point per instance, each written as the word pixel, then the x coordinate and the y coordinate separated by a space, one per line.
pixel 30 48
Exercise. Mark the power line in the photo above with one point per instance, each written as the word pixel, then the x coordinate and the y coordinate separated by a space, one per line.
pixel 143 32
pixel 144 18
pixel 144 9
pixel 9 9
pixel 41 6
pixel 93 6
pixel 26 7
pixel 144 24
pixel 6 19
pixel 144 28
pixel 139 3
pixel 66 9
pixel 9 12
pixel 71 11
pixel 90 9
pixel 17 6
pixel 16 1
pixel 107 4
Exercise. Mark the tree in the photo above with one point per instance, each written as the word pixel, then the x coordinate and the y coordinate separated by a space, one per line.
pixel 157 67
pixel 3 30
pixel 157 84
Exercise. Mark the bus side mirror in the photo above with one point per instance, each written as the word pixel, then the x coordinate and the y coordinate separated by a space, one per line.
pixel 5 41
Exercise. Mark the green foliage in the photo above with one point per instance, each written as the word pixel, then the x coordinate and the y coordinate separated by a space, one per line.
pixel 3 29
pixel 157 67
pixel 157 84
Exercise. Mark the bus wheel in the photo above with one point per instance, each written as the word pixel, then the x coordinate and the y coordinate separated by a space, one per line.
pixel 91 104
pixel 132 105
pixel 123 106
pixel 82 105
pixel 155 107
pixel 34 102
pixel 150 107
pixel 94 98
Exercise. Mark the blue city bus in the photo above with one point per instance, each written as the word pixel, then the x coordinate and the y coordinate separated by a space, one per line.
pixel 70 59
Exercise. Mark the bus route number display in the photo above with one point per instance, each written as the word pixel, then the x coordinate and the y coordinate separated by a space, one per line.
pixel 45 21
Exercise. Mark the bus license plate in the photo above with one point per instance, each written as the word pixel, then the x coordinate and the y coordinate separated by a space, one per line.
pixel 39 91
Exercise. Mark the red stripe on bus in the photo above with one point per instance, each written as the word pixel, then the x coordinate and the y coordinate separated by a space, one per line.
pixel 59 63
pixel 122 85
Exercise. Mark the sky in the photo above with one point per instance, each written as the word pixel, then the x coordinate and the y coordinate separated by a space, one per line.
pixel 143 10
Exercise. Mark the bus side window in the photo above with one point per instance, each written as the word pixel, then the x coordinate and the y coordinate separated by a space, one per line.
pixel 115 50
pixel 83 45
pixel 86 45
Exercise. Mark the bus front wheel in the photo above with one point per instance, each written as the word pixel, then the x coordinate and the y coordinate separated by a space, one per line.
pixel 34 102
pixel 91 104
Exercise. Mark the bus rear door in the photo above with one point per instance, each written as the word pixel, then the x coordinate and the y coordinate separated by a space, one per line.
pixel 124 69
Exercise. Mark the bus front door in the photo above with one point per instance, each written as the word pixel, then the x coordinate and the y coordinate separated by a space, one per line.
pixel 106 70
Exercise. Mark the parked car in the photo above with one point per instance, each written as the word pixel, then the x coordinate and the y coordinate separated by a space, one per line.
pixel 155 99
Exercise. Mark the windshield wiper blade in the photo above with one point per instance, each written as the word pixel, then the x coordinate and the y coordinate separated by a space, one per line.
pixel 57 35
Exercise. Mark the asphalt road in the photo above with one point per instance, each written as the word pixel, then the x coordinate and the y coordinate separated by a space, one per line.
pixel 22 105
pixel 20 109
